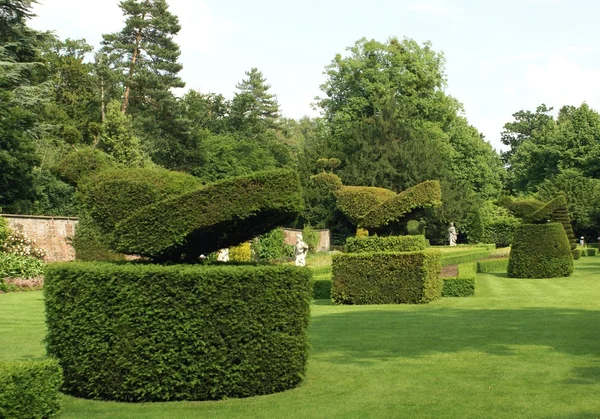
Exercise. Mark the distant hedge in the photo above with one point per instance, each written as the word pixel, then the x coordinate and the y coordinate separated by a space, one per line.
pixel 321 289
pixel 588 252
pixel 386 278
pixel 540 251
pixel 464 256
pixel 370 244
pixel 219 215
pixel 29 389
pixel 492 265
pixel 356 202
pixel 463 285
pixel 132 332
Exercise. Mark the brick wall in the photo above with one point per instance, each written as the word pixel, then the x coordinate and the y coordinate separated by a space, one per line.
pixel 50 233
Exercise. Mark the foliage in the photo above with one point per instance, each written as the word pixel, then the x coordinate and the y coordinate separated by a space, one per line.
pixel 385 244
pixel 91 242
pixel 386 278
pixel 269 246
pixel 14 265
pixel 540 251
pixel 416 228
pixel 17 243
pixel 356 202
pixel 178 332
pixel 216 216
pixel 311 237
pixel 464 256
pixel 492 265
pixel 576 254
pixel 30 389
pixel 327 181
pixel 498 224
pixel 82 162
pixel 477 230
pixel 321 289
pixel 463 285
pixel 240 253
pixel 118 140
pixel 253 108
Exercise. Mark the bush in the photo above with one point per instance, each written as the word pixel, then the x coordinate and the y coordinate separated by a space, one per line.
pixel 77 165
pixel 321 289
pixel 29 389
pixel 240 253
pixel 133 332
pixel 540 251
pixel 311 237
pixel 492 265
pixel 219 215
pixel 18 266
pixel 590 252
pixel 372 244
pixel 576 254
pixel 91 244
pixel 386 278
pixel 269 246
pixel 358 201
pixel 458 257
pixel 463 285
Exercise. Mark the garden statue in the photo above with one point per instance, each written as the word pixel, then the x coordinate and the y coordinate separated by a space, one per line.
pixel 452 235
pixel 223 255
pixel 300 251
pixel 582 241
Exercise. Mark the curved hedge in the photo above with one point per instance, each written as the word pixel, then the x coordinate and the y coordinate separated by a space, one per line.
pixel 540 251
pixel 219 215
pixel 356 202
pixel 366 244
pixel 132 332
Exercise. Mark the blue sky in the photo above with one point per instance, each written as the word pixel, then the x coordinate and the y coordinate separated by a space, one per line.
pixel 501 56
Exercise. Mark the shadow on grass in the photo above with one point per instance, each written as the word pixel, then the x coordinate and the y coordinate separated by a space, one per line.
pixel 362 337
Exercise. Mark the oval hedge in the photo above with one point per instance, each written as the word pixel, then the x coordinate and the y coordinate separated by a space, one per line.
pixel 216 216
pixel 132 332
pixel 540 251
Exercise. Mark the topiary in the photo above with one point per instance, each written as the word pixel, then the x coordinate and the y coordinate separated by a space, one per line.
pixel 540 251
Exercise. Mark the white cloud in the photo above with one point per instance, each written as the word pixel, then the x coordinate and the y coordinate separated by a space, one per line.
pixel 435 8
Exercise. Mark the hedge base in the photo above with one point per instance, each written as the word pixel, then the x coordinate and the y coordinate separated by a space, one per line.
pixel 386 278
pixel 132 332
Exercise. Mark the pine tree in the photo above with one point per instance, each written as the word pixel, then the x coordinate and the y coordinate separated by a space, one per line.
pixel 254 109
pixel 145 53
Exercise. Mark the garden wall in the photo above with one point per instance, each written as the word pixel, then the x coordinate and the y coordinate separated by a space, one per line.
pixel 324 238
pixel 53 234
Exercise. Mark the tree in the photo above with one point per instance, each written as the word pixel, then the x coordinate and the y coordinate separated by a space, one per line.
pixel 118 139
pixel 146 54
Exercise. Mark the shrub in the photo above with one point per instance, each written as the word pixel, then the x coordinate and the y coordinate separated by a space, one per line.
pixel 91 244
pixel 590 252
pixel 133 332
pixel 372 244
pixel 321 289
pixel 540 251
pixel 386 278
pixel 29 389
pixel 18 243
pixel 311 237
pixel 269 246
pixel 358 201
pixel 240 253
pixel 77 165
pixel 458 257
pixel 463 285
pixel 492 265
pixel 18 266
pixel 219 215
pixel 576 254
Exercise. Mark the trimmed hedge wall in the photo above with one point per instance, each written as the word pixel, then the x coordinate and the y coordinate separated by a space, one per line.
pixel 133 332
pixel 462 285
pixel 588 252
pixel 540 251
pixel 492 265
pixel 386 278
pixel 458 257
pixel 370 244
pixel 219 215
pixel 358 201
pixel 321 289
pixel 29 389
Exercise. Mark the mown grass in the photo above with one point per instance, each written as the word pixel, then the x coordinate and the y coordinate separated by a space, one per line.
pixel 517 349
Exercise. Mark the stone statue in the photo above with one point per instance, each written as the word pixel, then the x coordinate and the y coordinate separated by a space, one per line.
pixel 223 255
pixel 452 235
pixel 300 251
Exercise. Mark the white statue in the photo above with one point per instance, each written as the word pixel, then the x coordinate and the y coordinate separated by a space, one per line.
pixel 223 255
pixel 452 235
pixel 300 251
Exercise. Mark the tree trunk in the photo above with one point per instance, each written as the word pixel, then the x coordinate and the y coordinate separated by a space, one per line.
pixel 134 56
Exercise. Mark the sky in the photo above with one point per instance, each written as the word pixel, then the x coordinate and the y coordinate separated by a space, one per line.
pixel 501 56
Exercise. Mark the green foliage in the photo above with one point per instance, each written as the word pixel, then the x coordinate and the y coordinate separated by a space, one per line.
pixel 83 162
pixel 386 278
pixel 498 224
pixel 219 215
pixel 178 332
pixel 240 253
pixel 30 389
pixel 356 202
pixel 91 243
pixel 311 237
pixel 540 251
pixel 4 230
pixel 321 289
pixel 366 244
pixel 492 265
pixel 328 181
pixel 477 229
pixel 269 246
pixel 464 256
pixel 591 252
pixel 576 254
pixel 463 285
pixel 416 228
pixel 253 108
pixel 14 265
pixel 118 139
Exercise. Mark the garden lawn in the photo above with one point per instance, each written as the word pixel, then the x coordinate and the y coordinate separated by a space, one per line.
pixel 518 348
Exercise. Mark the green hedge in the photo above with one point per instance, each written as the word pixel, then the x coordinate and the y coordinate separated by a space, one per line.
pixel 591 252
pixel 372 244
pixel 492 265
pixel 133 332
pixel 462 285
pixel 386 278
pixel 576 254
pixel 321 289
pixel 540 251
pixel 463 256
pixel 219 215
pixel 29 389
pixel 356 202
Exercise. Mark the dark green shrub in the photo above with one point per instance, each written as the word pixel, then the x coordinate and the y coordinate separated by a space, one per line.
pixel 321 289
pixel 464 256
pixel 311 237
pixel 219 215
pixel 29 389
pixel 133 332
pixel 356 202
pixel 463 285
pixel 576 254
pixel 370 244
pixel 590 252
pixel 492 265
pixel 77 165
pixel 16 266
pixel 540 251
pixel 386 278
pixel 269 246
pixel 91 243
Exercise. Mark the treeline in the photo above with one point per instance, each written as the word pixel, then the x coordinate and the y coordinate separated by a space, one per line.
pixel 68 108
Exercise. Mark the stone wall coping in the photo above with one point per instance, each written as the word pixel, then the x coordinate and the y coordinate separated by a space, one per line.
pixel 40 217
